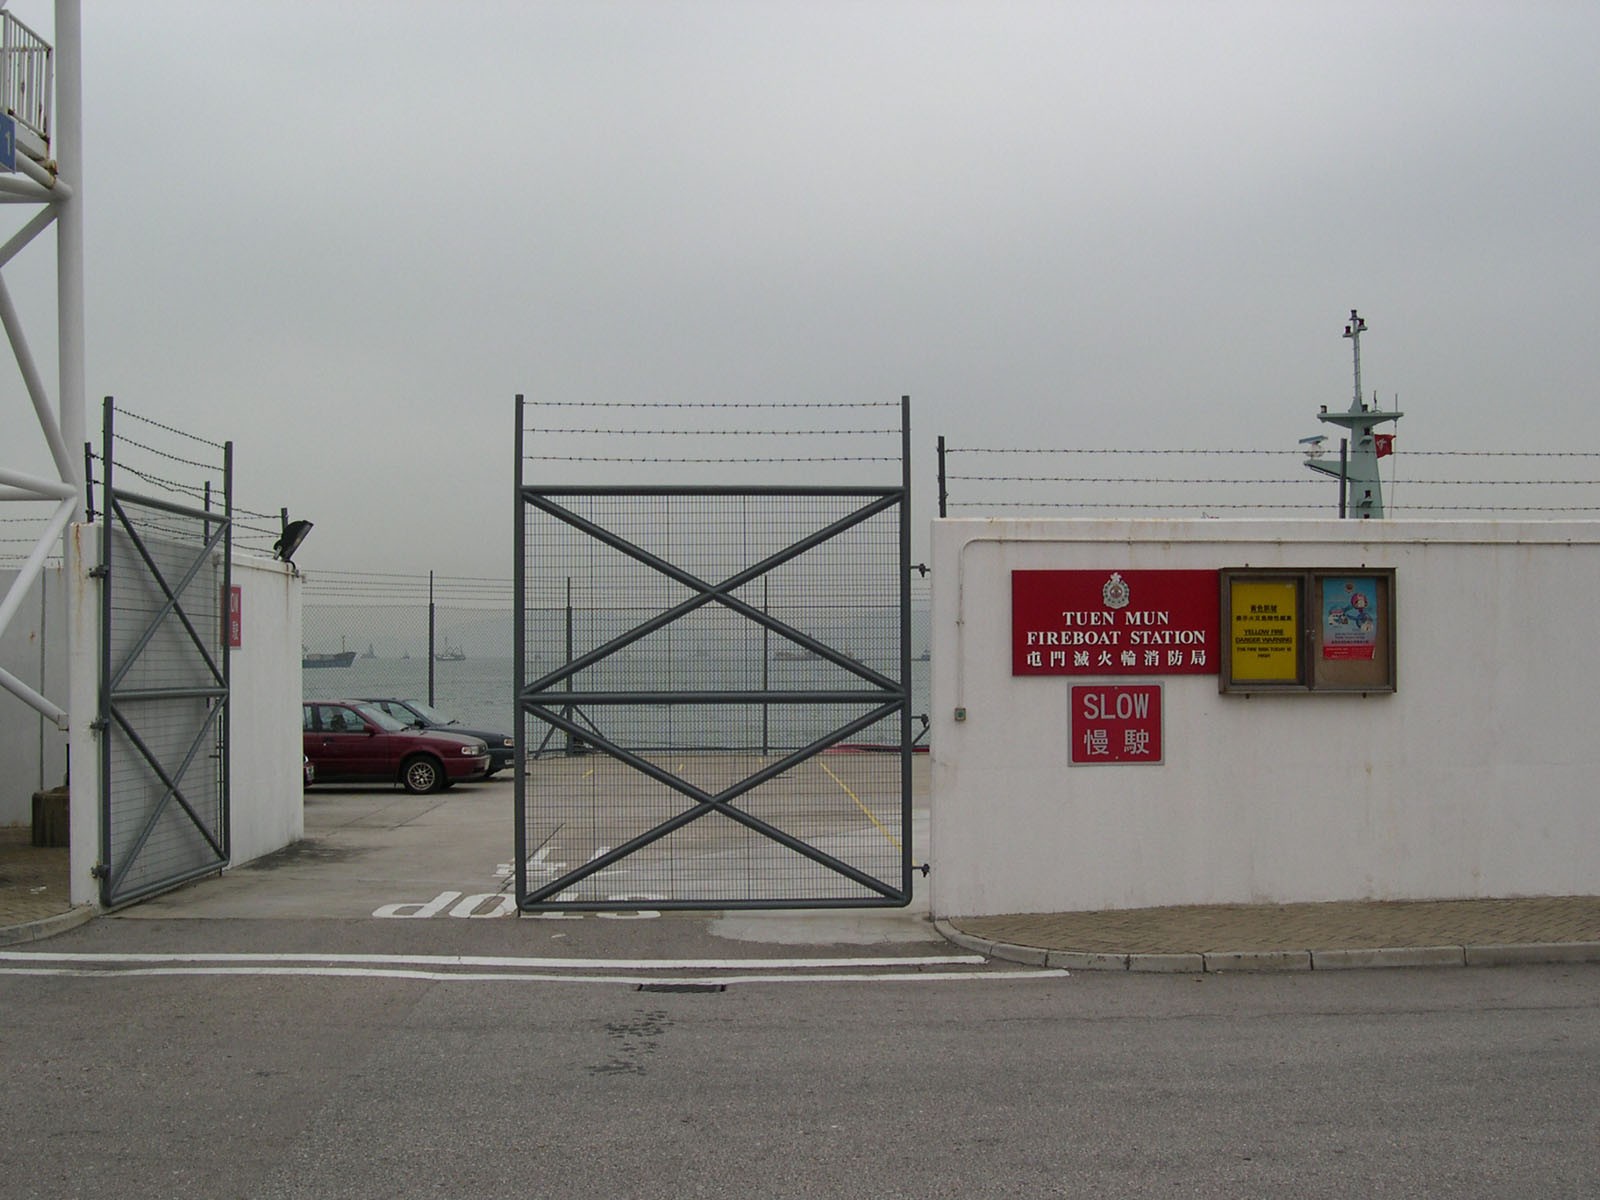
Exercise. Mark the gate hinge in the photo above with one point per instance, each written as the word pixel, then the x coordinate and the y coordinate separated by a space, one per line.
pixel 100 724
pixel 100 572
pixel 100 871
pixel 923 867
pixel 920 568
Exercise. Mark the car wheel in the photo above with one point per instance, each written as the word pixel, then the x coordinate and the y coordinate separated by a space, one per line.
pixel 422 774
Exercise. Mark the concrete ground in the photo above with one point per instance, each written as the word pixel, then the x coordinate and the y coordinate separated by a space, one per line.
pixel 377 853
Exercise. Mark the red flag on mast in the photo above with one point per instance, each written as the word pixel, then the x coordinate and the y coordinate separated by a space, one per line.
pixel 1383 443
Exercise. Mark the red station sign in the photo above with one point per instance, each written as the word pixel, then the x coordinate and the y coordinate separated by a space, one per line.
pixel 1115 723
pixel 1115 622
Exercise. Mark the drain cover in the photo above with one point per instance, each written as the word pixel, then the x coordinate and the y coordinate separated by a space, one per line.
pixel 682 987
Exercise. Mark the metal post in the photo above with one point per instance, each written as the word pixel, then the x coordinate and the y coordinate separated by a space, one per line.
pixel 227 652
pixel 66 145
pixel 766 665
pixel 103 711
pixel 430 639
pixel 905 639
pixel 519 667
pixel 943 495
pixel 566 712
pixel 88 479
pixel 1344 475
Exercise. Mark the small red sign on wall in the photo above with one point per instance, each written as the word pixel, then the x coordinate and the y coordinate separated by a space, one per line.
pixel 1115 723
pixel 235 616
pixel 1114 622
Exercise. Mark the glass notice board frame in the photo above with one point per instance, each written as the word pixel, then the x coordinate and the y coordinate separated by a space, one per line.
pixel 1308 630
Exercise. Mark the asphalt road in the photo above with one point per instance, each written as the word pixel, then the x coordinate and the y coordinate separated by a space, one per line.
pixel 395 1076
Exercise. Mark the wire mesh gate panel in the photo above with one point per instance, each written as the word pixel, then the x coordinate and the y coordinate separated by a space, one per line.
pixel 713 698
pixel 165 573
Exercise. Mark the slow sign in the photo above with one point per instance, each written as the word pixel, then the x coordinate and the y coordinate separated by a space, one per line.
pixel 1115 723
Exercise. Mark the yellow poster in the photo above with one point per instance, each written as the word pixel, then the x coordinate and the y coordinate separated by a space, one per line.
pixel 1264 630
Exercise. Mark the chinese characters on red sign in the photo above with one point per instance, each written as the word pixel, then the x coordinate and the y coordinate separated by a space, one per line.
pixel 1114 622
pixel 1115 723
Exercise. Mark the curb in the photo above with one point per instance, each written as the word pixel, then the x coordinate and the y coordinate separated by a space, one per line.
pixel 1216 962
pixel 46 927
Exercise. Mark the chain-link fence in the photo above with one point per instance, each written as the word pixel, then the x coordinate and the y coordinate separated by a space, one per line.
pixel 447 640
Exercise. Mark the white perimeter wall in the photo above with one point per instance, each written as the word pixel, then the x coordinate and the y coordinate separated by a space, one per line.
pixel 33 752
pixel 1476 779
pixel 266 794
pixel 267 788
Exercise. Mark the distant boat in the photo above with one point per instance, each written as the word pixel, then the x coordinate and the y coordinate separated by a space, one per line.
pixel 369 653
pixel 342 658
pixel 449 653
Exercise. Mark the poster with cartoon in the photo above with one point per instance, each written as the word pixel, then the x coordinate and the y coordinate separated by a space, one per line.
pixel 1349 617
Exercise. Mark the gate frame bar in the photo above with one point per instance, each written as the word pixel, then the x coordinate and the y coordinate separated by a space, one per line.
pixel 217 697
pixel 536 699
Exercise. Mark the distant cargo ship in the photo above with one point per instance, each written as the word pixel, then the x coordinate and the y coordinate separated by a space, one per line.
pixel 342 658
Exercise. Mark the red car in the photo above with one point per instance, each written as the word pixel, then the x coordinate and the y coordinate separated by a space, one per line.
pixel 349 742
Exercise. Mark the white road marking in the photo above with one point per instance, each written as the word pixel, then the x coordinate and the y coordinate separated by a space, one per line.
pixel 526 969
pixel 471 960
pixel 522 977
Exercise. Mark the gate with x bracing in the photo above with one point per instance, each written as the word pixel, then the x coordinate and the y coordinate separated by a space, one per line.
pixel 713 695
pixel 163 709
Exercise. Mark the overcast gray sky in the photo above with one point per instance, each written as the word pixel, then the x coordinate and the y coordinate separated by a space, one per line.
pixel 344 235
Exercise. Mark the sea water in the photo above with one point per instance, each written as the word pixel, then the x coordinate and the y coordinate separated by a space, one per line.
pixel 480 694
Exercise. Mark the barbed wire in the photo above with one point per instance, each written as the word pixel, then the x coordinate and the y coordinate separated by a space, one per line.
pixel 1109 479
pixel 1263 506
pixel 1292 482
pixel 580 458
pixel 192 491
pixel 1096 450
pixel 128 412
pixel 1301 452
pixel 745 404
pixel 1505 453
pixel 715 432
pixel 1100 505
pixel 188 462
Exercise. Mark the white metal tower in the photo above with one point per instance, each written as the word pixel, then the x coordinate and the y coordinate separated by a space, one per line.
pixel 41 169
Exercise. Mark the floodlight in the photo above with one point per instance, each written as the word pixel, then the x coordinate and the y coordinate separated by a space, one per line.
pixel 294 532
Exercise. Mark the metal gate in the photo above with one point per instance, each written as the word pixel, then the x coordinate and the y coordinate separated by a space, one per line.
pixel 165 570
pixel 713 695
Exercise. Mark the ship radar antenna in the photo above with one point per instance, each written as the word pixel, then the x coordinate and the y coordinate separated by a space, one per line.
pixel 1360 484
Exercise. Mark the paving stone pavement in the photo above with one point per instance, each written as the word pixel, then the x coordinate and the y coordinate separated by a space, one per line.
pixel 1267 936
pixel 34 897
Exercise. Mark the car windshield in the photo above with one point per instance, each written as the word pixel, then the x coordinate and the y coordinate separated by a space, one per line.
pixel 432 715
pixel 379 718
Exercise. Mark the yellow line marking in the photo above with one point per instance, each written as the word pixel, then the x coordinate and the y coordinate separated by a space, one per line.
pixel 859 805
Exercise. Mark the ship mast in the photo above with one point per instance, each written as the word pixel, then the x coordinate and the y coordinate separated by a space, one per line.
pixel 1361 485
